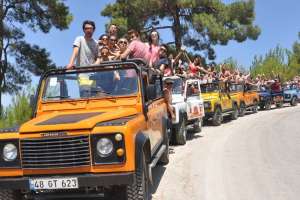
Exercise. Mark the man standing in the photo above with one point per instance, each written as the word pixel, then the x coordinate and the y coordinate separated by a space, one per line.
pixel 136 48
pixel 85 48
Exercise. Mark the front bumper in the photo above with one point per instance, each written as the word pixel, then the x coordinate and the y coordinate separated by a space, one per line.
pixel 84 180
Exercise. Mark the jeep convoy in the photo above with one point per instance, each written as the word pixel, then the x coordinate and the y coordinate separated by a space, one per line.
pixel 100 130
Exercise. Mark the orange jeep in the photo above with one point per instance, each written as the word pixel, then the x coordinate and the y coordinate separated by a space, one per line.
pixel 96 131
pixel 247 97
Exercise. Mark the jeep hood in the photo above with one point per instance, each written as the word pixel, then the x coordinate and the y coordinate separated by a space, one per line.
pixel 60 121
pixel 209 96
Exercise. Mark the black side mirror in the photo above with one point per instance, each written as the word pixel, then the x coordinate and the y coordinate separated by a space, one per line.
pixel 151 92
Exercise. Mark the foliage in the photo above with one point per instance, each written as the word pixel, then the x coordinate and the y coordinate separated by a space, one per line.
pixel 277 62
pixel 19 59
pixel 199 24
pixel 18 112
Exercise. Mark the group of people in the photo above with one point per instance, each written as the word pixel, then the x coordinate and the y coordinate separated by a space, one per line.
pixel 109 46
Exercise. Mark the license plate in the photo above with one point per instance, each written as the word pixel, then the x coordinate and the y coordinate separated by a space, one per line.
pixel 53 183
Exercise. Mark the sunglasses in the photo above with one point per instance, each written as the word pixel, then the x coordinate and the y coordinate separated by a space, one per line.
pixel 105 38
pixel 163 49
pixel 113 40
pixel 122 42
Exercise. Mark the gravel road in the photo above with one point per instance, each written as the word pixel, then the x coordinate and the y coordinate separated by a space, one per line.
pixel 256 157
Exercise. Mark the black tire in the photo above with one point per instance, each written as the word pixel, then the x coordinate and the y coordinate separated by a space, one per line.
pixel 198 125
pixel 279 105
pixel 140 189
pixel 217 117
pixel 294 101
pixel 181 132
pixel 255 107
pixel 268 105
pixel 242 109
pixel 235 112
pixel 10 195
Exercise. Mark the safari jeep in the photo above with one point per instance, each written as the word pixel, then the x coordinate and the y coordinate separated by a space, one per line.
pixel 247 97
pixel 292 95
pixel 96 131
pixel 218 102
pixel 188 107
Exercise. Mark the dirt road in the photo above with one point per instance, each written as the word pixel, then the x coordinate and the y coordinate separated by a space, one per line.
pixel 256 157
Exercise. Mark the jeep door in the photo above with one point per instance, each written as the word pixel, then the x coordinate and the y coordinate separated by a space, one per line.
pixel 195 108
pixel 226 101
pixel 156 112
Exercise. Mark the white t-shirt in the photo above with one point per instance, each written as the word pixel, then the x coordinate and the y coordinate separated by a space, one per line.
pixel 88 51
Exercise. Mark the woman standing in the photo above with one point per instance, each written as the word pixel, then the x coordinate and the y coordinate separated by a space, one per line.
pixel 153 47
pixel 195 67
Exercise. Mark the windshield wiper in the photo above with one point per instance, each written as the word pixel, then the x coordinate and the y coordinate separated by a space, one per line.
pixel 107 94
pixel 61 97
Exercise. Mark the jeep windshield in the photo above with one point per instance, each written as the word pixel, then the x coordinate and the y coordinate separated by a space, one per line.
pixel 209 87
pixel 177 86
pixel 86 84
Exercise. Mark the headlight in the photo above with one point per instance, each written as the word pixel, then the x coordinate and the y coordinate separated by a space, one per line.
pixel 10 152
pixel 105 147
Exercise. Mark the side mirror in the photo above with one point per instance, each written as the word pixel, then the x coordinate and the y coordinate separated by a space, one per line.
pixel 151 92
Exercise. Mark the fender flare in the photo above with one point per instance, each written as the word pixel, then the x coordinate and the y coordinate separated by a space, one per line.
pixel 142 146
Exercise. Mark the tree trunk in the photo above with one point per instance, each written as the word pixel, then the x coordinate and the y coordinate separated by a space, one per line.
pixel 177 29
pixel 1 53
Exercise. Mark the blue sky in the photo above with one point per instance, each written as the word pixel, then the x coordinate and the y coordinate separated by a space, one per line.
pixel 279 21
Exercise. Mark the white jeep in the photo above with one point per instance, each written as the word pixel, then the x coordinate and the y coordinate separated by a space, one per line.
pixel 188 106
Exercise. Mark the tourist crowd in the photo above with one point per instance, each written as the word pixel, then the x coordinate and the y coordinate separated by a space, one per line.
pixel 88 51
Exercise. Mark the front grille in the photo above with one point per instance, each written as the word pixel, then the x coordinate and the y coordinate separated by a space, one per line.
pixel 62 152
pixel 287 96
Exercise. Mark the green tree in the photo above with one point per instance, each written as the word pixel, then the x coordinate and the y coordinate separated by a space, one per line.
pixel 19 59
pixel 19 111
pixel 274 63
pixel 199 24
pixel 294 60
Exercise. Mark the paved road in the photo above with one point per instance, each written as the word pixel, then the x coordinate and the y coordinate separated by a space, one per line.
pixel 256 157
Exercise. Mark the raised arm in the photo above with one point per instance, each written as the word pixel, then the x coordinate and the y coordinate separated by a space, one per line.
pixel 73 57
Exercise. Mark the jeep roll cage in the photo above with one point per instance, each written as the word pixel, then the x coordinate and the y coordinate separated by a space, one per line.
pixel 138 64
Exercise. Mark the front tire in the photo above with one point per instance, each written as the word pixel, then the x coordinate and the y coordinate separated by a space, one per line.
pixel 268 105
pixel 198 125
pixel 242 109
pixel 139 190
pixel 255 107
pixel 181 132
pixel 217 117
pixel 235 112
pixel 294 101
pixel 10 195
pixel 279 105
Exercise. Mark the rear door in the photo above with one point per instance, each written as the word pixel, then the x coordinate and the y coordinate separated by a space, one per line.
pixel 195 108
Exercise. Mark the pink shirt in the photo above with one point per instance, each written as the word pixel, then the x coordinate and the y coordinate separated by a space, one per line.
pixel 139 49
pixel 154 52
